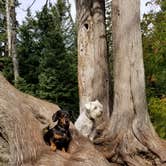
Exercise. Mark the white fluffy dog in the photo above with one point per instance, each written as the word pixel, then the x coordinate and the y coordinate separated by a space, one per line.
pixel 86 122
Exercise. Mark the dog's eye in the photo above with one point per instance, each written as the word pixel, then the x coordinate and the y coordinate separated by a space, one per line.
pixel 98 133
pixel 95 108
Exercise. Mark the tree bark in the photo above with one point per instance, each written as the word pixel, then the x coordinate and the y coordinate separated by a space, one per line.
pixel 130 138
pixel 13 40
pixel 8 26
pixel 11 35
pixel 93 75
pixel 22 119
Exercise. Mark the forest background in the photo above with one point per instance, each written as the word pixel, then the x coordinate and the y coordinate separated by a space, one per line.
pixel 47 56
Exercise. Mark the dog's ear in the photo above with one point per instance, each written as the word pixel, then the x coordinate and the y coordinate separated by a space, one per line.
pixel 56 115
pixel 98 103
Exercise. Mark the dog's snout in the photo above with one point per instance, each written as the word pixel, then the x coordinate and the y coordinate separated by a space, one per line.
pixel 65 120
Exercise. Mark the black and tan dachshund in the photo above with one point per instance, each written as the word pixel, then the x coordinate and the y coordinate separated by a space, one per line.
pixel 59 136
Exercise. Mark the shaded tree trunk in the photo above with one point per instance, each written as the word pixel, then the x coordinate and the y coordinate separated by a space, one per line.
pixel 22 119
pixel 13 40
pixel 93 75
pixel 130 138
pixel 11 35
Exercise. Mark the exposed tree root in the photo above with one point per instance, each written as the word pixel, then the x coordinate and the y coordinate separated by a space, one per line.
pixel 135 145
pixel 154 144
pixel 22 118
pixel 133 150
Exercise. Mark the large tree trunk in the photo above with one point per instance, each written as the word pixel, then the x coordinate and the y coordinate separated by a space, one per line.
pixel 130 138
pixel 93 75
pixel 22 118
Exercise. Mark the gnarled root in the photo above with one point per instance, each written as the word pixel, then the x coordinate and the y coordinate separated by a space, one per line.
pixel 133 148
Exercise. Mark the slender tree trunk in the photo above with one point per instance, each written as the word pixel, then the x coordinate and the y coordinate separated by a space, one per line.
pixel 8 26
pixel 13 41
pixel 11 35
pixel 93 75
pixel 130 138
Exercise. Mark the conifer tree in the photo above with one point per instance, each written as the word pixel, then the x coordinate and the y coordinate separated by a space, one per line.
pixel 57 78
pixel 29 53
pixel 47 55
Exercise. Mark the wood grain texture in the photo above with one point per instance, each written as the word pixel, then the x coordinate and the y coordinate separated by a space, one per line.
pixel 130 138
pixel 22 118
pixel 93 75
